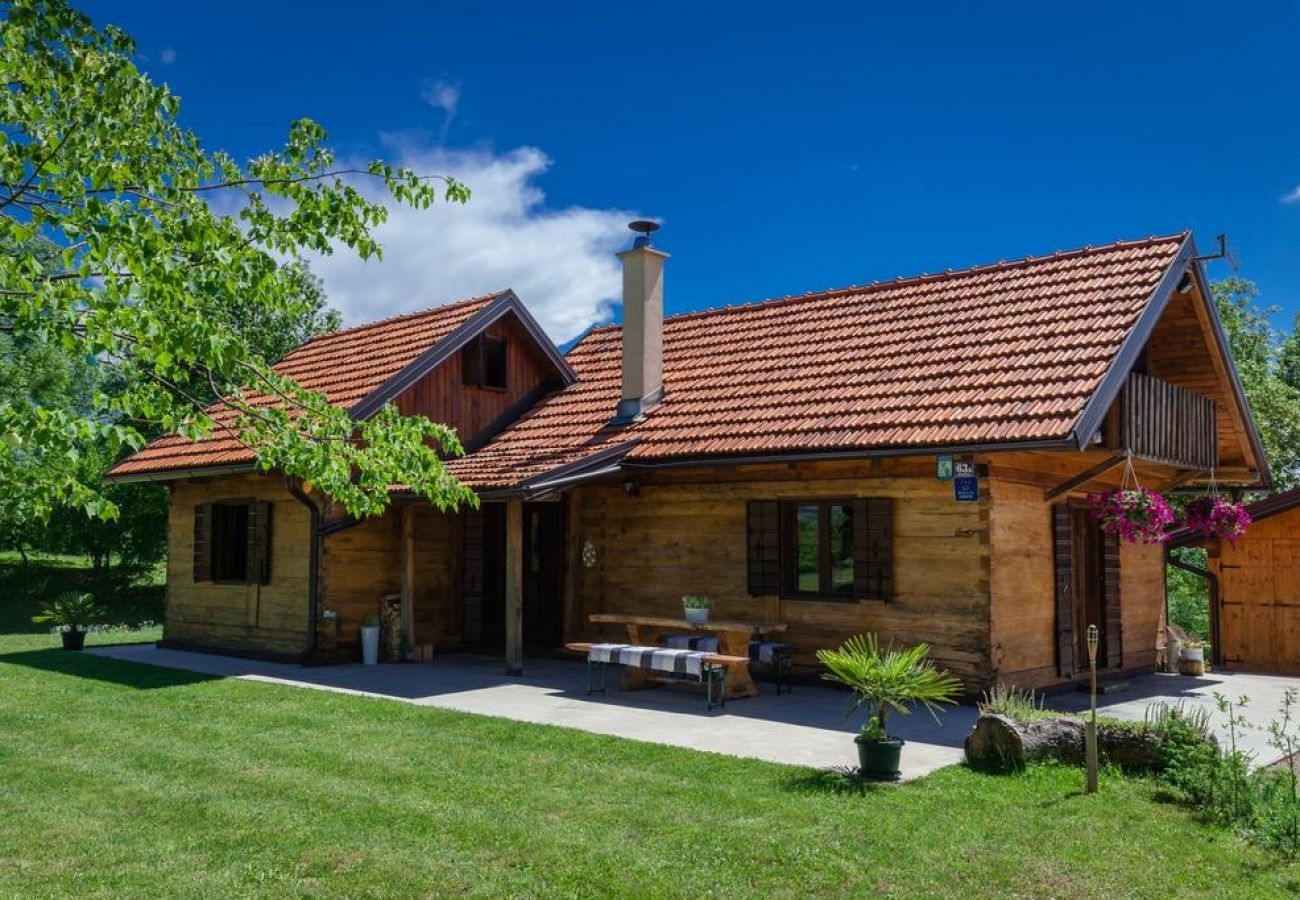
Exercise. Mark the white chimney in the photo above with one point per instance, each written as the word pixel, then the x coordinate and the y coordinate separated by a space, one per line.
pixel 643 325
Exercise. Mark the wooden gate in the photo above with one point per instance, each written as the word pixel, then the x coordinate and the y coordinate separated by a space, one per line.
pixel 1259 599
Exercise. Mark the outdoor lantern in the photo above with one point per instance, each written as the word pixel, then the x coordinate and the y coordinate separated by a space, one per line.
pixel 1090 734
pixel 631 488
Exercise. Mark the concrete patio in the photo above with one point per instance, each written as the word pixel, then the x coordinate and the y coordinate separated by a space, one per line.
pixel 805 728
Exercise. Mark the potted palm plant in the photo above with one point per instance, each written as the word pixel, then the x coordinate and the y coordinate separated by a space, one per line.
pixel 69 614
pixel 884 679
pixel 696 608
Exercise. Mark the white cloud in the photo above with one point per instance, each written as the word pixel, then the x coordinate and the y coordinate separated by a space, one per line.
pixel 559 261
pixel 1293 197
pixel 168 56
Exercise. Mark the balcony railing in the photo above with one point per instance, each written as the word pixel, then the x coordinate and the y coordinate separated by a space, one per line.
pixel 1164 423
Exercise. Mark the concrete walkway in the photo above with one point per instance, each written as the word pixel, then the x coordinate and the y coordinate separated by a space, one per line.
pixel 805 728
pixel 1264 694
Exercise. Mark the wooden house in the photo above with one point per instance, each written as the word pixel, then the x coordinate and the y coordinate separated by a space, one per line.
pixel 1254 588
pixel 788 458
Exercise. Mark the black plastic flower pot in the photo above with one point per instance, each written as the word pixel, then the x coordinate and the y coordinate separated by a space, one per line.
pixel 878 760
pixel 74 640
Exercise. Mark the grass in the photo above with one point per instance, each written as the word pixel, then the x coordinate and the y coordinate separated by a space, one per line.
pixel 129 779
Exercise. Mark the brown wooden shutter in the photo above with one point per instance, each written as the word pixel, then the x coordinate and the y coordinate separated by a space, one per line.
pixel 764 542
pixel 259 542
pixel 1112 613
pixel 472 577
pixel 203 542
pixel 1063 556
pixel 471 362
pixel 873 548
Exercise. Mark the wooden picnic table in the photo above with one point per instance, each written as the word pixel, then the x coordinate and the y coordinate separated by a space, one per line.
pixel 733 640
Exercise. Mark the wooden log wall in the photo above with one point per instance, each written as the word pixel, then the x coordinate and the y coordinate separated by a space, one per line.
pixel 269 618
pixel 362 564
pixel 1023 619
pixel 686 533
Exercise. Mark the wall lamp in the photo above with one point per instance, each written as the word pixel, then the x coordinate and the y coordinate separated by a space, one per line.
pixel 631 488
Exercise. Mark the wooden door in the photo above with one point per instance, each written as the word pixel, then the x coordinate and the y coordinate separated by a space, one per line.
pixel 543 581
pixel 1247 617
pixel 1286 605
pixel 1088 583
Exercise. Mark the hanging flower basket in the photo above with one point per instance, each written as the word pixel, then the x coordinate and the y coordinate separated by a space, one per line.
pixel 1217 517
pixel 1137 515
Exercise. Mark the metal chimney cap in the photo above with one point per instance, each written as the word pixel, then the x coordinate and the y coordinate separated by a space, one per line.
pixel 644 228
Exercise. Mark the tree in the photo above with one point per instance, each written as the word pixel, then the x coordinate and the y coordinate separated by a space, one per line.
pixel 1269 365
pixel 150 279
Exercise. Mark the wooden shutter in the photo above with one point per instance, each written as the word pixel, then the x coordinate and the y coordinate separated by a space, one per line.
pixel 472 577
pixel 873 548
pixel 1112 613
pixel 764 542
pixel 471 362
pixel 1063 557
pixel 203 542
pixel 259 543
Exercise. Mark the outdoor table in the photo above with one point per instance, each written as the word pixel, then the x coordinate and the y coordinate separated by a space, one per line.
pixel 733 640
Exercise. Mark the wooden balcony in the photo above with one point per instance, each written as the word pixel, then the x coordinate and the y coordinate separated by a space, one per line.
pixel 1164 423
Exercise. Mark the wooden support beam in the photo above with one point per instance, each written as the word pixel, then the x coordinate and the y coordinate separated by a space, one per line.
pixel 1184 476
pixel 1083 477
pixel 408 582
pixel 514 587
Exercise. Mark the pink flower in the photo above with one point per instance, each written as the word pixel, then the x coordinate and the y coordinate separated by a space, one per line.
pixel 1138 516
pixel 1217 517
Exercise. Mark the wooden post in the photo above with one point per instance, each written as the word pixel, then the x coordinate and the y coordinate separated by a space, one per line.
pixel 408 582
pixel 514 587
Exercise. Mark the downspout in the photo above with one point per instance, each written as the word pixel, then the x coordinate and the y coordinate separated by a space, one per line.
pixel 294 487
pixel 1212 582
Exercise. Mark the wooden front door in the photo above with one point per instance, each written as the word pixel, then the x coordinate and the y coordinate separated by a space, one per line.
pixel 1089 583
pixel 1087 590
pixel 543 582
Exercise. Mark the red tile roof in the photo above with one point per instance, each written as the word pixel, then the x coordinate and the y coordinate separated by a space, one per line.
pixel 1003 353
pixel 346 366
pixel 1010 352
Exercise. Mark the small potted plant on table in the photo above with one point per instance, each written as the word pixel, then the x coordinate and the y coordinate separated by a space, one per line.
pixel 370 640
pixel 69 614
pixel 884 679
pixel 696 608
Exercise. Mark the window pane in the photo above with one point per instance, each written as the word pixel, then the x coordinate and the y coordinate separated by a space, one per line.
pixel 841 540
pixel 229 542
pixel 807 549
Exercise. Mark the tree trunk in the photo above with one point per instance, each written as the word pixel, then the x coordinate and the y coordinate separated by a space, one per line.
pixel 999 744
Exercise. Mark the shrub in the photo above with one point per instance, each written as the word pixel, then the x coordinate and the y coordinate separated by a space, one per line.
pixel 1017 704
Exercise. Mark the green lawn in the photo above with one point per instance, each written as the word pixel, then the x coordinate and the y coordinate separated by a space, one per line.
pixel 128 779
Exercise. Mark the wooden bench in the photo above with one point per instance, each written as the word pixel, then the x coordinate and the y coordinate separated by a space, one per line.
pixel 713 666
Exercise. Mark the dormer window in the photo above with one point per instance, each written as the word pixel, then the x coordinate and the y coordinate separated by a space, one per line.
pixel 483 362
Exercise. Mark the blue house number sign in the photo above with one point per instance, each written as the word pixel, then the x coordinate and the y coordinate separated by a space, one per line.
pixel 965 484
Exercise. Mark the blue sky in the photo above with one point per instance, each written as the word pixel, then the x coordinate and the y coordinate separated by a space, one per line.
pixel 787 147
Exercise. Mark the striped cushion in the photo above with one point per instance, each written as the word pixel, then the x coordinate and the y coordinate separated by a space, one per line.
pixel 658 659
pixel 691 642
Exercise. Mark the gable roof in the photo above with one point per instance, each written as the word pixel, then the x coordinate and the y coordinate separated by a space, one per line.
pixel 1019 353
pixel 359 369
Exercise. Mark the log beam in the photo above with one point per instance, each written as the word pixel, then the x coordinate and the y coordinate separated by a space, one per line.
pixel 514 587
pixel 1083 477
pixel 408 582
